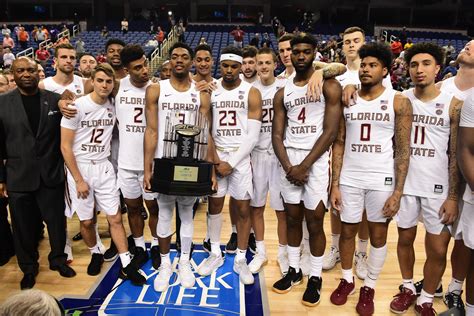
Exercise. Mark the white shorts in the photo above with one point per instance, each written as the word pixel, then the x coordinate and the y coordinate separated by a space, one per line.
pixel 239 183
pixel 266 178
pixel 426 210
pixel 103 191
pixel 467 224
pixel 130 183
pixel 355 200
pixel 312 192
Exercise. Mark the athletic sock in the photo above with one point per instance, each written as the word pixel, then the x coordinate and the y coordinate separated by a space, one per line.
pixel 424 298
pixel 234 229
pixel 240 254
pixel 455 286
pixel 95 249
pixel 186 243
pixel 154 242
pixel 469 309
pixel 335 240
pixel 140 242
pixel 214 228
pixel 125 258
pixel 375 264
pixel 408 283
pixel 261 247
pixel 348 275
pixel 362 245
pixel 165 258
pixel 282 250
pixel 316 266
pixel 251 230
pixel 294 257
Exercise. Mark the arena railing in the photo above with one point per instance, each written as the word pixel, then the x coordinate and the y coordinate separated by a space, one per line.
pixel 29 52
pixel 160 54
pixel 47 44
pixel 63 34
pixel 75 30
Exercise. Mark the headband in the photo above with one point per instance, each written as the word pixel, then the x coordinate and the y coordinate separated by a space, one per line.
pixel 231 56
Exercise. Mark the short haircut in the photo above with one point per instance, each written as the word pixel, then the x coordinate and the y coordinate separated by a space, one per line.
pixel 181 45
pixel 63 46
pixel 31 302
pixel 353 29
pixel 105 68
pixel 87 54
pixel 203 47
pixel 286 37
pixel 113 41
pixel 131 53
pixel 304 38
pixel 231 49
pixel 249 51
pixel 425 48
pixel 267 50
pixel 378 50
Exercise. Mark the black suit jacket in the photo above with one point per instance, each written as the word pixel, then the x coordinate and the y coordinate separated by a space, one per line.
pixel 30 158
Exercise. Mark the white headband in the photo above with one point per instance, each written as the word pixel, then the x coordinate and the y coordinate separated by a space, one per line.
pixel 233 57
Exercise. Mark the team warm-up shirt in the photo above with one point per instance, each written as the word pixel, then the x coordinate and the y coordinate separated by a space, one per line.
pixel 130 109
pixel 449 86
pixel 368 154
pixel 230 115
pixel 181 107
pixel 352 77
pixel 467 120
pixel 428 175
pixel 93 124
pixel 76 86
pixel 268 93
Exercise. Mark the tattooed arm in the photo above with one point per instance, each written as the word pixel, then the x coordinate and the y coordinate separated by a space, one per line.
pixel 337 159
pixel 403 121
pixel 449 210
pixel 323 71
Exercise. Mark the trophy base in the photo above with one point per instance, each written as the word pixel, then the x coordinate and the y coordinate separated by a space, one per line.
pixel 182 178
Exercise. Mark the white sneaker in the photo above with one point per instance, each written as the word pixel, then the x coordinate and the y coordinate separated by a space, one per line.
pixel 258 261
pixel 282 260
pixel 361 265
pixel 242 269
pixel 210 264
pixel 305 262
pixel 68 250
pixel 162 280
pixel 330 259
pixel 186 274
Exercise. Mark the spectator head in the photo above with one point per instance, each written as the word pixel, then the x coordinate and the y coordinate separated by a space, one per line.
pixel 409 41
pixel 266 63
pixel 87 63
pixel 376 59
pixel 249 62
pixel 31 302
pixel 352 40
pixel 165 70
pixel 230 64
pixel 203 61
pixel 424 63
pixel 11 80
pixel 134 60
pixel 112 50
pixel 65 58
pixel 284 49
pixel 4 83
pixel 41 72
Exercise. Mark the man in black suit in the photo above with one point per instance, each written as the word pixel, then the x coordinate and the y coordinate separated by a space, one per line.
pixel 33 176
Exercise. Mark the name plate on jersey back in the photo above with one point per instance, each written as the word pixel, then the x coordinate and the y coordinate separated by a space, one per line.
pixel 182 169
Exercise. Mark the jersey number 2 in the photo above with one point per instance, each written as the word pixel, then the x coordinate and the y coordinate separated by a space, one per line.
pixel 138 113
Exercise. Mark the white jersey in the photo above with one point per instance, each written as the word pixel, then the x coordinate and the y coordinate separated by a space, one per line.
pixel 180 104
pixel 285 76
pixel 352 77
pixel 130 109
pixel 467 120
pixel 93 124
pixel 230 115
pixel 428 175
pixel 449 86
pixel 305 117
pixel 76 86
pixel 268 93
pixel 368 155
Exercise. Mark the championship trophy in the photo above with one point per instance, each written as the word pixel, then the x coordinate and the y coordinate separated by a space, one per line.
pixel 182 169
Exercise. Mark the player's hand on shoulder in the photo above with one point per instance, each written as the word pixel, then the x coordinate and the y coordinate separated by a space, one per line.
pixel 204 86
pixel 336 200
pixel 82 189
pixel 449 212
pixel 67 108
pixel 349 95
pixel 315 85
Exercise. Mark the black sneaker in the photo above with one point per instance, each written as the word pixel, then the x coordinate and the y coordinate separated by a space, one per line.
pixel 77 237
pixel 312 295
pixel 419 287
pixel 206 246
pixel 290 279
pixel 454 302
pixel 231 246
pixel 131 273
pixel 252 243
pixel 131 244
pixel 112 253
pixel 155 257
pixel 96 264
pixel 140 257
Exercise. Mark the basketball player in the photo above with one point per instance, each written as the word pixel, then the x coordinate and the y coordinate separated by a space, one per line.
pixel 165 70
pixel 87 63
pixel 466 165
pixel 85 144
pixel 265 170
pixel 236 121
pixel 431 188
pixel 249 64
pixel 130 109
pixel 302 132
pixel 162 98
pixel 369 171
